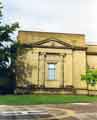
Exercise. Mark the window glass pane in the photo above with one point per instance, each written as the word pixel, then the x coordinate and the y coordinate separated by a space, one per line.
pixel 51 66
pixel 51 71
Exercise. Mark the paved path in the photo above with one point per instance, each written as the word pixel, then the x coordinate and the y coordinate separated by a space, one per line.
pixel 77 111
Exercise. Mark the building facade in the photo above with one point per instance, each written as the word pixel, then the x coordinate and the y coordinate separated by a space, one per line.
pixel 54 62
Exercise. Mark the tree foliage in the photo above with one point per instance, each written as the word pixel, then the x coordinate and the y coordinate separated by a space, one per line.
pixel 6 42
pixel 90 77
pixel 8 48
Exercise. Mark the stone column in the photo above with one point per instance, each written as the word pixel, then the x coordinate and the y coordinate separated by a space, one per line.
pixel 42 69
pixel 38 67
pixel 62 70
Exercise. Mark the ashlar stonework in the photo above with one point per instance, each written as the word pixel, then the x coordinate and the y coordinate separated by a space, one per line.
pixel 53 62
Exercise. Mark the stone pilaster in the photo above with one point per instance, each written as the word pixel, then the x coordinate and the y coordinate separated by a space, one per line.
pixel 62 70
pixel 42 69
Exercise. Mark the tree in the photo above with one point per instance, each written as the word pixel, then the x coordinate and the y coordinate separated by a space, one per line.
pixel 90 77
pixel 6 41
pixel 8 47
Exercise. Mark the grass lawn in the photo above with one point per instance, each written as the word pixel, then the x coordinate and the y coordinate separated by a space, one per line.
pixel 44 99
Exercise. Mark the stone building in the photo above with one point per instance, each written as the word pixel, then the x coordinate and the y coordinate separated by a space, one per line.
pixel 53 62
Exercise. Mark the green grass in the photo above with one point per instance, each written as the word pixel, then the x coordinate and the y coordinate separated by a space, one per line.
pixel 44 99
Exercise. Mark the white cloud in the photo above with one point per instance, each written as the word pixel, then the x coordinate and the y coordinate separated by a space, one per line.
pixel 74 16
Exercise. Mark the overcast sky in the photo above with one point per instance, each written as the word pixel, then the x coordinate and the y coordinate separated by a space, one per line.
pixel 68 16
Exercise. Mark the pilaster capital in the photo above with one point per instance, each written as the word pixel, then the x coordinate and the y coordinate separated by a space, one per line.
pixel 62 54
pixel 42 53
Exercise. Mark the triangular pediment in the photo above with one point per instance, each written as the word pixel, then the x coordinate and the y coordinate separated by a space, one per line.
pixel 52 43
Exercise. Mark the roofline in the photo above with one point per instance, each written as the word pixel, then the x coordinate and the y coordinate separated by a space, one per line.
pixel 92 44
pixel 53 32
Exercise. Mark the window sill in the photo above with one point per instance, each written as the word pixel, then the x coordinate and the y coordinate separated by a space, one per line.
pixel 51 80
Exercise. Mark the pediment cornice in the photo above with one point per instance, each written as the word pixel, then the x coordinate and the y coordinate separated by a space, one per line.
pixel 53 43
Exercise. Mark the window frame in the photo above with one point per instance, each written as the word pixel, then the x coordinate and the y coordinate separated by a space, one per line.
pixel 51 72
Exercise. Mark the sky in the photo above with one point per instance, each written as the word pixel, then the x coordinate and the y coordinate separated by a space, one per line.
pixel 66 16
